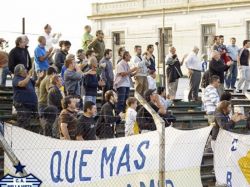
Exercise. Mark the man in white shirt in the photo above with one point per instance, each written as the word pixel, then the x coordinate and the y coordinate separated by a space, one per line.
pixel 141 83
pixel 194 67
pixel 51 39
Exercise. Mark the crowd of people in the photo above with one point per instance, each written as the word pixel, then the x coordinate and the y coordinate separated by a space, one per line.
pixel 61 88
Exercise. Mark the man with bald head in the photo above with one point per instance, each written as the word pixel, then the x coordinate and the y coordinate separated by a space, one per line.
pixel 217 67
pixel 173 72
pixel 194 67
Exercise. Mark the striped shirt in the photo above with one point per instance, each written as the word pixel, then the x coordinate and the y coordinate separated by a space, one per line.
pixel 210 99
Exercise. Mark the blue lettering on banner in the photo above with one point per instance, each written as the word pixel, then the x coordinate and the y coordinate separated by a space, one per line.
pixel 56 178
pixel 82 164
pixel 229 179
pixel 169 183
pixel 72 179
pixel 143 157
pixel 106 158
pixel 152 183
pixel 125 153
pixel 234 144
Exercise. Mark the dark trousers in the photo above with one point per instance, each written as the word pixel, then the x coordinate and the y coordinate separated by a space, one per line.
pixel 47 120
pixel 123 94
pixel 231 76
pixel 24 116
pixel 194 84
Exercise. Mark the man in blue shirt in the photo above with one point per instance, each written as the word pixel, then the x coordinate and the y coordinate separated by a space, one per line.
pixel 25 99
pixel 42 56
pixel 231 75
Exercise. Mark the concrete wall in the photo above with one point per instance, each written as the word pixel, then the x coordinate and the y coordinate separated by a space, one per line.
pixel 186 27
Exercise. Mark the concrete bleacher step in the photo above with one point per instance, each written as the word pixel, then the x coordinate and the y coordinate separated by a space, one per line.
pixel 240 101
pixel 192 113
pixel 238 96
pixel 188 122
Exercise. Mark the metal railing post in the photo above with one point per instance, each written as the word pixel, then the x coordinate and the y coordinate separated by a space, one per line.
pixel 160 126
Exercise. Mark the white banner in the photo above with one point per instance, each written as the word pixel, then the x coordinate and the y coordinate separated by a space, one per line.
pixel 128 162
pixel 184 152
pixel 122 162
pixel 232 159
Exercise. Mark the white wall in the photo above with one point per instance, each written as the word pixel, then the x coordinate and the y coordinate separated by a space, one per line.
pixel 186 28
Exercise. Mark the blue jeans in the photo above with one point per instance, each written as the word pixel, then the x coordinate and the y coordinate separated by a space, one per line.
pixel 231 76
pixel 3 75
pixel 123 93
pixel 89 98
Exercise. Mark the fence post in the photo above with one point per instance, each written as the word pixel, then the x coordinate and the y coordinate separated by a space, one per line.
pixel 160 126
pixel 9 152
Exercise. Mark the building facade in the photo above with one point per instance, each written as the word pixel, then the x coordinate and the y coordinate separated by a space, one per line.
pixel 187 23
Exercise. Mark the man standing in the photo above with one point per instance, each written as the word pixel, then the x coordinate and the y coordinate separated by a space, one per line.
pixel 4 70
pixel 243 64
pixel 194 69
pixel 216 44
pixel 98 45
pixel 211 96
pixel 41 56
pixel 72 77
pixel 51 39
pixel 231 75
pixel 68 119
pixel 44 89
pixel 217 67
pixel 150 50
pixel 86 127
pixel 87 38
pixel 173 72
pixel 123 81
pixel 107 74
pixel 18 55
pixel 142 63
pixel 29 62
pixel 61 55
pixel 25 99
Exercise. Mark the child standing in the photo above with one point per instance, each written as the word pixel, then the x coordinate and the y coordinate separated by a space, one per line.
pixel 130 124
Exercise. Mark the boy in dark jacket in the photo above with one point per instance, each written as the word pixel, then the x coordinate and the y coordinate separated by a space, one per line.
pixel 108 119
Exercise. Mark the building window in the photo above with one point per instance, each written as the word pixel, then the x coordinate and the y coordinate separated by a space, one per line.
pixel 168 41
pixel 248 30
pixel 119 38
pixel 208 33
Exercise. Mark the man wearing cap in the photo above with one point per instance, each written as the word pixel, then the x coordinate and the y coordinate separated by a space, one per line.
pixel 25 99
pixel 144 118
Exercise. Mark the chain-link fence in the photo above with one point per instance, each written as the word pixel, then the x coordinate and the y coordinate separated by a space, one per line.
pixel 168 156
